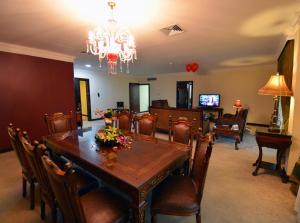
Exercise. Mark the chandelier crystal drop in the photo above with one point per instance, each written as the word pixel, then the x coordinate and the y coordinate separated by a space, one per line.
pixel 113 43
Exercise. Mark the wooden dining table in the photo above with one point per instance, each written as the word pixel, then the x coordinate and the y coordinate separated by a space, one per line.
pixel 134 171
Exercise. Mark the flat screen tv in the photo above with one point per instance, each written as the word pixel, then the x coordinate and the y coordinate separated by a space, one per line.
pixel 209 100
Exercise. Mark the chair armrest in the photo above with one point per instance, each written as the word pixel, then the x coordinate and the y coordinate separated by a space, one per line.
pixel 229 116
pixel 226 121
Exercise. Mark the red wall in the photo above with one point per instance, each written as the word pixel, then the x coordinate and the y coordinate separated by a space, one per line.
pixel 29 88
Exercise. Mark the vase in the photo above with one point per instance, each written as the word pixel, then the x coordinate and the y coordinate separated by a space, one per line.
pixel 108 143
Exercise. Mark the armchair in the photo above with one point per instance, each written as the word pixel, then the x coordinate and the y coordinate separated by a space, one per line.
pixel 232 125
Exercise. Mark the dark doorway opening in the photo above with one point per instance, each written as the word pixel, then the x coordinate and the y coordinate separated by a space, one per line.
pixel 139 97
pixel 184 94
pixel 82 97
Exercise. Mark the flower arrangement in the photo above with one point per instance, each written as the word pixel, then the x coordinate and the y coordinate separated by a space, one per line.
pixel 111 136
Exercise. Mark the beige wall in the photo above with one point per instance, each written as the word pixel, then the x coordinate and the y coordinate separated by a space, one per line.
pixel 294 122
pixel 232 83
pixel 111 89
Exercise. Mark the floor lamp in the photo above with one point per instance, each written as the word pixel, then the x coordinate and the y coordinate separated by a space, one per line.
pixel 276 87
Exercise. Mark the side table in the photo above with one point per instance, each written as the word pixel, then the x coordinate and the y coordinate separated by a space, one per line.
pixel 279 141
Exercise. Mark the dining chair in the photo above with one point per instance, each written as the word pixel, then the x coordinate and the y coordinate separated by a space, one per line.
pixel 97 206
pixel 181 130
pixel 59 122
pixel 27 173
pixel 182 195
pixel 145 124
pixel 124 121
pixel 34 153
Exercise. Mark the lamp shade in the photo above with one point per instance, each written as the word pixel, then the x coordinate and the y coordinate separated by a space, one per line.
pixel 276 86
pixel 237 104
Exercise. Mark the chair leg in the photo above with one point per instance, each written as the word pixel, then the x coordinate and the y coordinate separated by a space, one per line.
pixel 43 214
pixel 24 183
pixel 54 214
pixel 198 218
pixel 32 197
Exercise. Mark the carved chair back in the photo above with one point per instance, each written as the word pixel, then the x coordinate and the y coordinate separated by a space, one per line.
pixel 200 163
pixel 34 154
pixel 59 122
pixel 146 124
pixel 181 130
pixel 64 187
pixel 18 148
pixel 124 120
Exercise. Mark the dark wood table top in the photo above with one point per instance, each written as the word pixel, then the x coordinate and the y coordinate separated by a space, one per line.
pixel 265 131
pixel 135 166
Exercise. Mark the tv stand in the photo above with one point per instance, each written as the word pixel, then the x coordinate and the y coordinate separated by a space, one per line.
pixel 212 109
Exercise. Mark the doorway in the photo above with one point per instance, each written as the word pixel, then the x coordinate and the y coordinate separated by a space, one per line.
pixel 184 94
pixel 139 97
pixel 82 98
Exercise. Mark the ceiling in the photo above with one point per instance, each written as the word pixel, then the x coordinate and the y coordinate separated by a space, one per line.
pixel 218 34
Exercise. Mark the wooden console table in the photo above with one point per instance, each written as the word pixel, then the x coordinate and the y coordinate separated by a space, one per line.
pixel 279 141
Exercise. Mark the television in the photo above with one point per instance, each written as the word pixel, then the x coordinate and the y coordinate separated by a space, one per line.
pixel 209 100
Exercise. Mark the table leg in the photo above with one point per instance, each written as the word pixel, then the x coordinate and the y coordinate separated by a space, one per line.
pixel 282 172
pixel 139 213
pixel 258 161
pixel 278 159
pixel 284 176
pixel 255 163
pixel 237 140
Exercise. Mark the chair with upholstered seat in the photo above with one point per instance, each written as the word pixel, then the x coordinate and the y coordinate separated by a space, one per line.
pixel 27 173
pixel 34 154
pixel 124 121
pixel 182 195
pixel 181 130
pixel 232 125
pixel 59 122
pixel 145 124
pixel 97 206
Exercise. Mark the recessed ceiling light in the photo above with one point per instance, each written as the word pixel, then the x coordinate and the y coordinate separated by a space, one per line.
pixel 88 65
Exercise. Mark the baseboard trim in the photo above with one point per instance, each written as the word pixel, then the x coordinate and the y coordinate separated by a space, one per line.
pixel 257 124
pixel 4 150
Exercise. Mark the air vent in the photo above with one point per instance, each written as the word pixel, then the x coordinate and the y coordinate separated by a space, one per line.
pixel 151 79
pixel 172 30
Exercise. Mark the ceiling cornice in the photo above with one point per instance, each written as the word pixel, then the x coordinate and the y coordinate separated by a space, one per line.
pixel 289 34
pixel 295 24
pixel 12 48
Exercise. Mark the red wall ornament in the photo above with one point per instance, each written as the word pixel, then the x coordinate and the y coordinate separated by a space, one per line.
pixel 192 67
pixel 188 67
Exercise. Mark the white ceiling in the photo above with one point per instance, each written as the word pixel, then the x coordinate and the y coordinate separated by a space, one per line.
pixel 218 33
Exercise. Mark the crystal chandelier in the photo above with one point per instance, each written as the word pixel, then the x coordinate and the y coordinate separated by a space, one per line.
pixel 112 42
